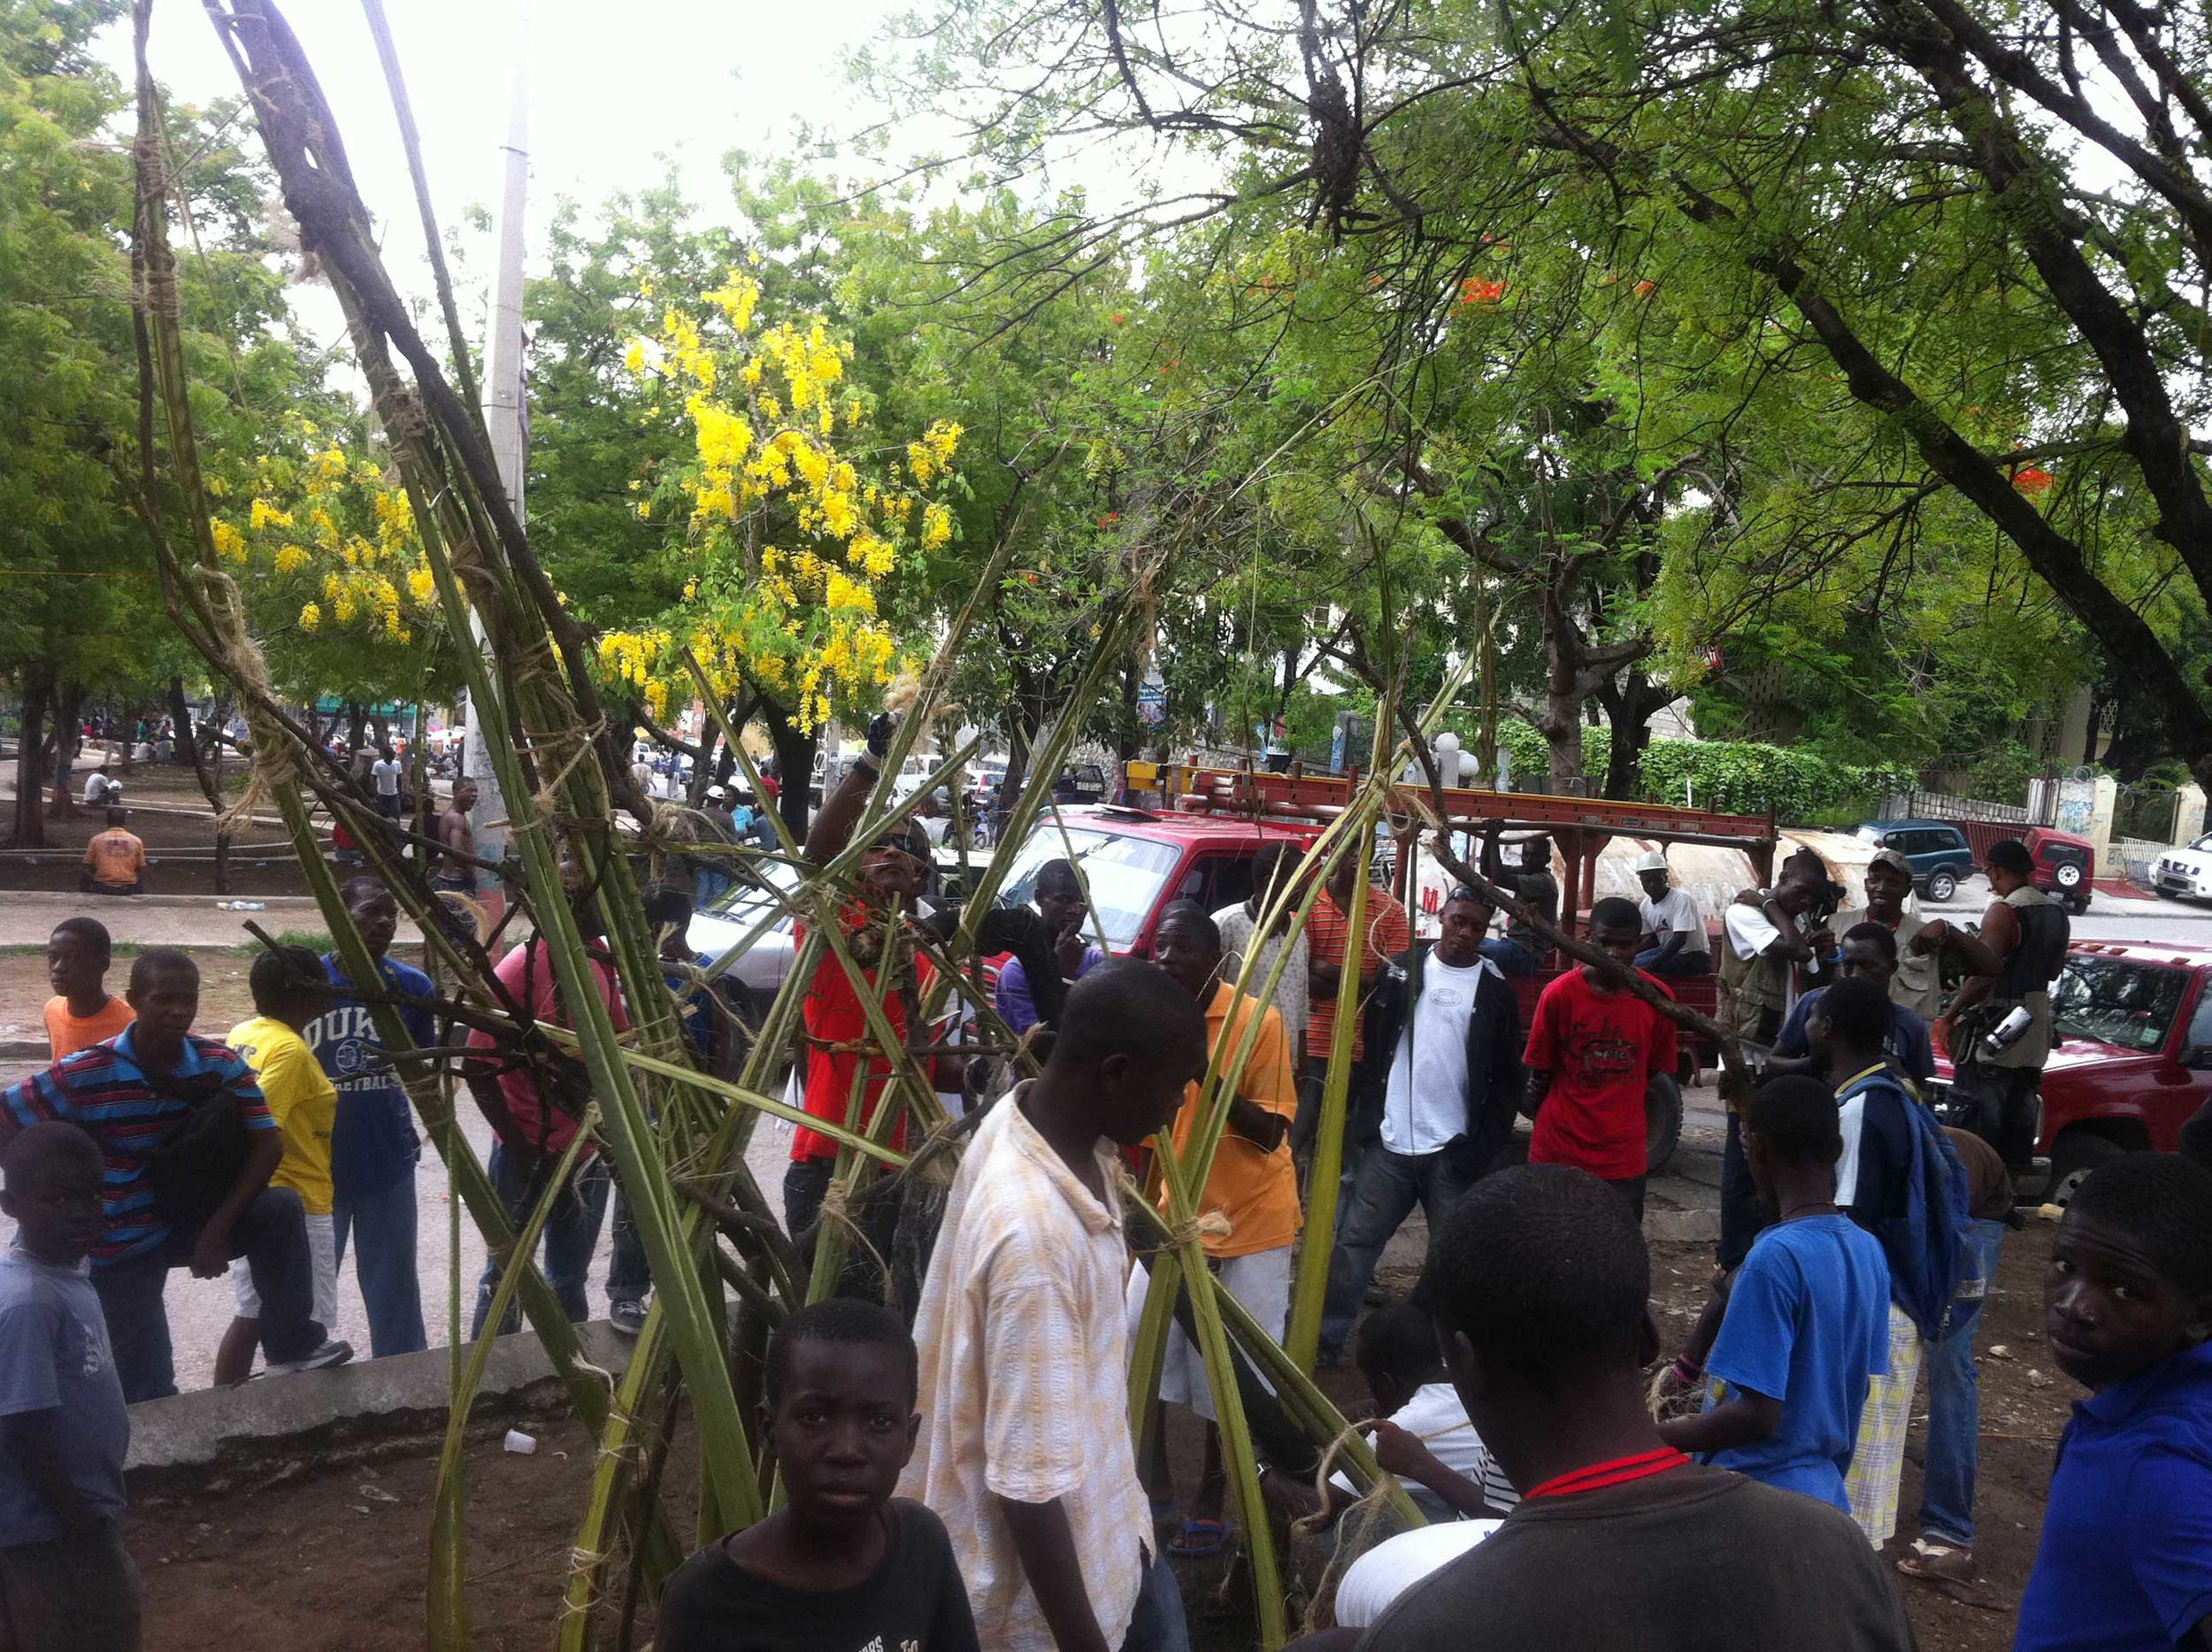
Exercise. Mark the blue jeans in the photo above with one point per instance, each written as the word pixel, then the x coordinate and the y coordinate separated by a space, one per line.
pixel 384 1222
pixel 629 1276
pixel 272 1235
pixel 1385 1189
pixel 1954 1421
pixel 708 884
pixel 1680 963
pixel 571 1230
pixel 1510 957
pixel 1157 1624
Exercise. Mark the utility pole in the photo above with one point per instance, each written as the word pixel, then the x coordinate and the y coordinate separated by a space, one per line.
pixel 503 416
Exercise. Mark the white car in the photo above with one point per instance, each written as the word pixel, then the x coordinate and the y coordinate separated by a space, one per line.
pixel 745 916
pixel 2185 871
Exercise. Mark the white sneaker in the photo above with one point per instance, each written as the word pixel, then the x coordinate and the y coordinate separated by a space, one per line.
pixel 323 1359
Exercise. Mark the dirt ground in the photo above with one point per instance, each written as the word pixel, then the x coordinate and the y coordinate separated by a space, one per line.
pixel 262 861
pixel 224 998
pixel 333 1557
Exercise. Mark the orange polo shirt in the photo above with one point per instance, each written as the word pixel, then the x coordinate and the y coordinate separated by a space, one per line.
pixel 1256 1191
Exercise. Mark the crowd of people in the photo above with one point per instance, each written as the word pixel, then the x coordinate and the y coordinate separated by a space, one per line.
pixel 965 1474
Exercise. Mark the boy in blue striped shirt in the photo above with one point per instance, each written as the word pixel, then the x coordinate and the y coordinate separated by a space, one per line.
pixel 131 1095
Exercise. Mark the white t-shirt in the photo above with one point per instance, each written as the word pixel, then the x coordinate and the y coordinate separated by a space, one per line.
pixel 387 771
pixel 1679 912
pixel 1436 1417
pixel 95 786
pixel 1748 930
pixel 1374 1581
pixel 1425 1105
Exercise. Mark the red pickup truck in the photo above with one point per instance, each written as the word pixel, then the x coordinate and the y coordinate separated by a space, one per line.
pixel 1139 861
pixel 2133 1059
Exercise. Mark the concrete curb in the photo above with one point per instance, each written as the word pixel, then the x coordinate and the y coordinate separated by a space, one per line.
pixel 324 1413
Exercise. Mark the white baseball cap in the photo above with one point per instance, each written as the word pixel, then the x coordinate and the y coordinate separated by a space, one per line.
pixel 1652 860
pixel 717 791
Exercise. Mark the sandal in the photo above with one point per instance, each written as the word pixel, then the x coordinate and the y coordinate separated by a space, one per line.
pixel 1938 1562
pixel 1199 1539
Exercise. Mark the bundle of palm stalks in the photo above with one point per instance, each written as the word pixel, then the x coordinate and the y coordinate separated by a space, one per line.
pixel 723 1271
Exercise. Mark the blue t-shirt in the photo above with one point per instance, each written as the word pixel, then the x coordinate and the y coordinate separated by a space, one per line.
pixel 54 1356
pixel 2126 1562
pixel 1907 1044
pixel 373 1143
pixel 1807 1323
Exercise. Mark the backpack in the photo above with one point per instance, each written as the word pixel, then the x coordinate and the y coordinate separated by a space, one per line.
pixel 194 1167
pixel 1927 1246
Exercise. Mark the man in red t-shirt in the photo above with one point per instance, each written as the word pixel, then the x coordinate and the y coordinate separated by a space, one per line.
pixel 893 873
pixel 1593 1048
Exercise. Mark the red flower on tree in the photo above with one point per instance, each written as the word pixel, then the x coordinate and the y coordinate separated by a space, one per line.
pixel 1475 290
pixel 2031 478
pixel 1110 518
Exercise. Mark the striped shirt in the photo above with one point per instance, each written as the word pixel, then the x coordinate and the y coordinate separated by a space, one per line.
pixel 1327 943
pixel 1023 1339
pixel 103 1091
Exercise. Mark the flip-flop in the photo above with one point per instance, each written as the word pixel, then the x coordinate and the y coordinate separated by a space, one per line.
pixel 1938 1562
pixel 1198 1540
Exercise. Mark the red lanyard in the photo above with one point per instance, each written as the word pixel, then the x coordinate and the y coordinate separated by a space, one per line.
pixel 1615 1472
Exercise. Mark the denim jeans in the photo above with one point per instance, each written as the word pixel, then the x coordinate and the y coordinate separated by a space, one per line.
pixel 571 1230
pixel 272 1235
pixel 629 1276
pixel 1384 1190
pixel 805 1184
pixel 707 885
pixel 383 1225
pixel 1954 1421
pixel 1510 957
pixel 1157 1623
pixel 1680 963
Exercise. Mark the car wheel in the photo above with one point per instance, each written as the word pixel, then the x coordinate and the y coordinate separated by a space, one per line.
pixel 1942 886
pixel 1663 1122
pixel 2078 1152
pixel 2079 903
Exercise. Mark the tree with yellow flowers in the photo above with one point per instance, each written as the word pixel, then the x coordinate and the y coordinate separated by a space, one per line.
pixel 322 541
pixel 791 513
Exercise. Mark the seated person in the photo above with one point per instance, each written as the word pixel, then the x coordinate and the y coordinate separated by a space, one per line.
pixel 114 860
pixel 843 1563
pixel 1807 1323
pixel 1674 942
pixel 100 789
pixel 1426 1439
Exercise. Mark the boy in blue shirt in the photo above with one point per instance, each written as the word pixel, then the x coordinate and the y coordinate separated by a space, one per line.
pixel 374 1148
pixel 2126 1557
pixel 66 1581
pixel 1807 1323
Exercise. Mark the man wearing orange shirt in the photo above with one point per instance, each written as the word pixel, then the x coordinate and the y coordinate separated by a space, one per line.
pixel 1252 1189
pixel 114 860
pixel 82 1012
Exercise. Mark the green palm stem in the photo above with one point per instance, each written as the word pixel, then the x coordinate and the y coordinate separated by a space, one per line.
pixel 447 1602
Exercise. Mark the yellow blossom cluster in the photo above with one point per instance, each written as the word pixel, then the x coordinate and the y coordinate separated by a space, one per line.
pixel 787 540
pixel 313 511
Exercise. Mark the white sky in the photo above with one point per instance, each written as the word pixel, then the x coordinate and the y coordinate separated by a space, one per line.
pixel 615 88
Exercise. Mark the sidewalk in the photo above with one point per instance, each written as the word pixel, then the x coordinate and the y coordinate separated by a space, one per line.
pixel 28 916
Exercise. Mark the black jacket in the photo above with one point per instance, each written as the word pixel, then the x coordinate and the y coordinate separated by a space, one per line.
pixel 1495 1077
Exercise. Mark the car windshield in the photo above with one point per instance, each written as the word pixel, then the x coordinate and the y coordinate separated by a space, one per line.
pixel 1124 874
pixel 746 901
pixel 2116 1002
pixel 1871 834
pixel 2203 843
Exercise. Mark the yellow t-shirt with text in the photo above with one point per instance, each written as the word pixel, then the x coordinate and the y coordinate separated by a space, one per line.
pixel 302 1101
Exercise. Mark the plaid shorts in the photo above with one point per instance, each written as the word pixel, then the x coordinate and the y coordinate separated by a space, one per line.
pixel 1877 1459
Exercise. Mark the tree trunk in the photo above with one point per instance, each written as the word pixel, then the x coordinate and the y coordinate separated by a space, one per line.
pixel 794 765
pixel 68 742
pixel 356 727
pixel 703 766
pixel 1629 702
pixel 30 774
